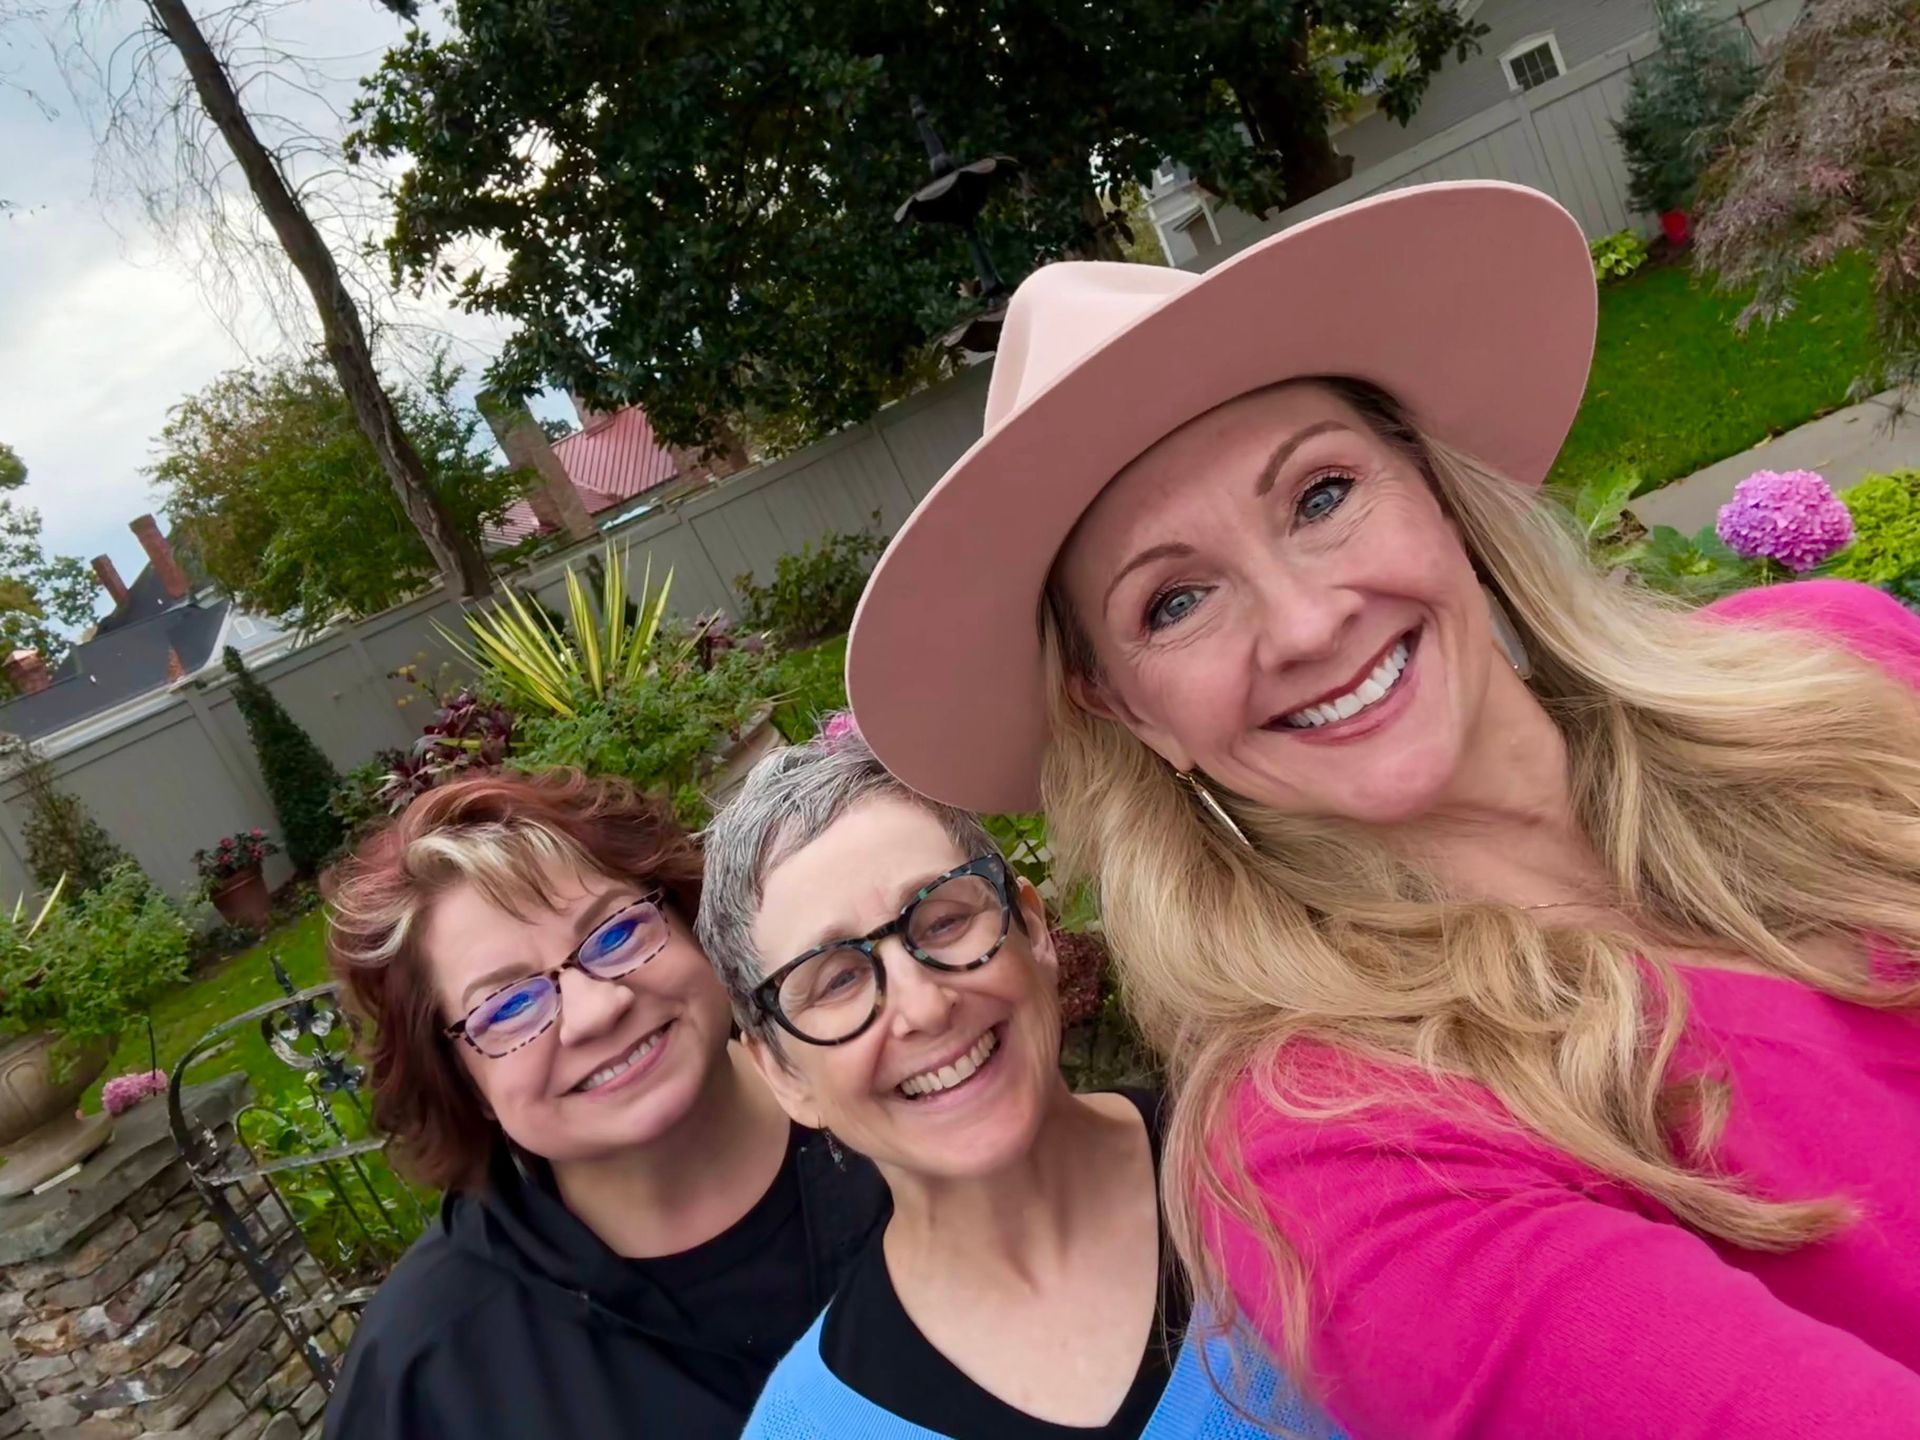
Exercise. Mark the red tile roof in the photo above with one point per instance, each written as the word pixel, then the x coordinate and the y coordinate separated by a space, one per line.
pixel 610 463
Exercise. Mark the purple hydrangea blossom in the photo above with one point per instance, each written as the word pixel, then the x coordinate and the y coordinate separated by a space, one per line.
pixel 1790 516
pixel 123 1092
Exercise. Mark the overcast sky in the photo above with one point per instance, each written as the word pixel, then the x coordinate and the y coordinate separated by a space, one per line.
pixel 103 324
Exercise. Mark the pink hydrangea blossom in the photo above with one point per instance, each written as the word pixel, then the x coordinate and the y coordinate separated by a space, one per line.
pixel 1790 516
pixel 123 1092
pixel 840 726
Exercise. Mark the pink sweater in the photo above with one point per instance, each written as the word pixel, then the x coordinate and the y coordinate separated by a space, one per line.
pixel 1473 1284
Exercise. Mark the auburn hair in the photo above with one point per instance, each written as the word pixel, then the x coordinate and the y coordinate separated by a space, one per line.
pixel 509 836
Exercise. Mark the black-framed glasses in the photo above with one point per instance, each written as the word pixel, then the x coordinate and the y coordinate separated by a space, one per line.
pixel 955 922
pixel 520 1013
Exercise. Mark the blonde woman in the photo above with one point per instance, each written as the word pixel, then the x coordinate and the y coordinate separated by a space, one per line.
pixel 1534 959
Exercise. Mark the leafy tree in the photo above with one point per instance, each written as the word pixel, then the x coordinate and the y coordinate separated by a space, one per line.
pixel 36 590
pixel 62 837
pixel 299 777
pixel 1821 161
pixel 270 473
pixel 1680 103
pixel 694 203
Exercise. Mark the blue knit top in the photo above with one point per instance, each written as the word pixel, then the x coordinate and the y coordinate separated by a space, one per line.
pixel 804 1400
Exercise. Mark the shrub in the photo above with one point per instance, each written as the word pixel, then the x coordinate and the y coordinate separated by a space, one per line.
pixel 537 664
pixel 63 839
pixel 1617 256
pixel 1907 591
pixel 467 735
pixel 1680 103
pixel 91 962
pixel 661 732
pixel 1698 567
pixel 814 591
pixel 358 801
pixel 1822 162
pixel 1886 529
pixel 300 779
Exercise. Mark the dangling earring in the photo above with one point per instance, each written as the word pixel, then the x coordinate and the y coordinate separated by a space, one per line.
pixel 1211 804
pixel 1506 636
pixel 838 1155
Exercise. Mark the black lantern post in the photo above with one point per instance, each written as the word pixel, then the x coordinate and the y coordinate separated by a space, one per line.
pixel 955 196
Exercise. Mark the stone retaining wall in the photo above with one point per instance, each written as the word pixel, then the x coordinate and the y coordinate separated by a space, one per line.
pixel 124 1315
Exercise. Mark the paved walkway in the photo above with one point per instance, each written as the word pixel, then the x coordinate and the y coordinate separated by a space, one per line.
pixel 1844 446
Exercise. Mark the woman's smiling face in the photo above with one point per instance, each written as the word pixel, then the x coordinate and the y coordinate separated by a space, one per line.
pixel 1273 596
pixel 953 1076
pixel 624 1061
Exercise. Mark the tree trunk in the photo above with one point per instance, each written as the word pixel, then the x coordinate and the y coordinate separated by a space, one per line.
pixel 461 564
pixel 1106 243
pixel 1286 115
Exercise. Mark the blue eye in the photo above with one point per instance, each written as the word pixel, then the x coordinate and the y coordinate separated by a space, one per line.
pixel 524 1004
pixel 517 1003
pixel 1323 497
pixel 614 936
pixel 1170 607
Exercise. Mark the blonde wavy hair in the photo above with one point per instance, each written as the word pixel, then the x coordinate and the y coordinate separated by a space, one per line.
pixel 1750 792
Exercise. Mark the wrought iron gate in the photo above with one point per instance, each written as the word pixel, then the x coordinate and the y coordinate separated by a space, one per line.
pixel 301 1193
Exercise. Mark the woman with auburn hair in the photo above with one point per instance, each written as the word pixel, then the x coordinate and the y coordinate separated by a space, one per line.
pixel 633 1232
pixel 1535 959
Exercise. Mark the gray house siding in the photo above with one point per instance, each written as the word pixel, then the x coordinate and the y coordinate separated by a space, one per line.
pixel 1582 28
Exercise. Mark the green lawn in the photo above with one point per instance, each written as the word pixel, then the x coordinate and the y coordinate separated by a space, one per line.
pixel 1674 387
pixel 814 684
pixel 237 984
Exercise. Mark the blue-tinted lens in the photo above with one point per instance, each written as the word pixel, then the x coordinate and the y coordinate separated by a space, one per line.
pixel 513 1015
pixel 632 936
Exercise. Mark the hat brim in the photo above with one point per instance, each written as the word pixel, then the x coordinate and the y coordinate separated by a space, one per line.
pixel 1473 303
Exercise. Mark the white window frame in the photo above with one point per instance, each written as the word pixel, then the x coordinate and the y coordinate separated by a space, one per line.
pixel 1532 42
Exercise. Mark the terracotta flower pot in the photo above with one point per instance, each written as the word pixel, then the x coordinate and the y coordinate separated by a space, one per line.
pixel 243 900
pixel 40 1134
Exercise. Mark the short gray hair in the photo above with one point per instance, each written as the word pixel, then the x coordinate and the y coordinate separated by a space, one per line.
pixel 789 800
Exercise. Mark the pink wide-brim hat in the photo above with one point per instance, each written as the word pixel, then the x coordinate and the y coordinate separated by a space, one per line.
pixel 1471 302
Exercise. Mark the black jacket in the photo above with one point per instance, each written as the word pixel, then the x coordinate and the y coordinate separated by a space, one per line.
pixel 510 1319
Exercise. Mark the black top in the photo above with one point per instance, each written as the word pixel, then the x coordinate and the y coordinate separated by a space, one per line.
pixel 741 1298
pixel 510 1318
pixel 872 1346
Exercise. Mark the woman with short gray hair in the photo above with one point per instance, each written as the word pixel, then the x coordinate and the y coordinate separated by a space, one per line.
pixel 894 981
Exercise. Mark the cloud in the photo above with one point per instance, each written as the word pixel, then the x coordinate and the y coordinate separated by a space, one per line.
pixel 103 328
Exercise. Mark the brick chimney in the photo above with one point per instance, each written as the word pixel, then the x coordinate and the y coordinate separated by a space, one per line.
pixel 27 671
pixel 104 567
pixel 160 555
pixel 176 667
pixel 550 494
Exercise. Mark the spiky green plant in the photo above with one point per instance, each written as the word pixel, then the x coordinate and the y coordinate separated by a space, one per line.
pixel 606 644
